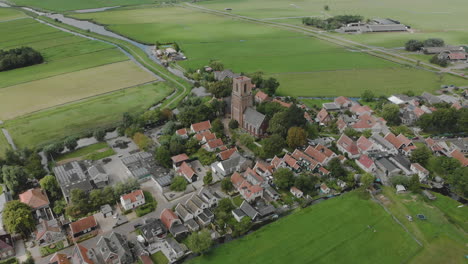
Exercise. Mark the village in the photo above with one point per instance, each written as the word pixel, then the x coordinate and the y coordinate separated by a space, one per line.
pixel 242 169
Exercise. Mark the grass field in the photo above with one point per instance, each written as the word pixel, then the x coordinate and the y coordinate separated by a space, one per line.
pixel 79 117
pixel 85 152
pixel 315 102
pixel 159 258
pixel 4 146
pixel 305 66
pixel 10 14
pixel 335 231
pixel 65 5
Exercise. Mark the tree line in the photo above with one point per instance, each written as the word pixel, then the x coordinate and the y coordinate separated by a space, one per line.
pixel 332 22
pixel 18 58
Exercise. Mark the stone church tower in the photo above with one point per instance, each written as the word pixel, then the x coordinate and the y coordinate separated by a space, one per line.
pixel 241 98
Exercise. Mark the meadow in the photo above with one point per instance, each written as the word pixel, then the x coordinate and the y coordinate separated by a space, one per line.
pixel 78 118
pixel 66 5
pixel 74 68
pixel 334 231
pixel 4 146
pixel 304 65
pixel 7 14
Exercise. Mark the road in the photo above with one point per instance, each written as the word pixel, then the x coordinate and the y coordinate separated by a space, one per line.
pixel 387 54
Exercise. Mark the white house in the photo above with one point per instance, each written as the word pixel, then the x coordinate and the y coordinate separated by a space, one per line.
pixel 365 163
pixel 420 171
pixel 296 192
pixel 132 200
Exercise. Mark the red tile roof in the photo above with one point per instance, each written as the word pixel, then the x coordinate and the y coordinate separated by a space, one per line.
pixel 224 155
pixel 460 157
pixel 237 179
pixel 205 134
pixel 45 228
pixel 322 115
pixel 35 198
pixel 365 161
pixel 284 104
pixel 291 162
pixel 324 150
pixel 276 161
pixel 202 126
pixel 315 154
pixel 342 100
pixel 341 124
pixel 133 196
pixel 252 173
pixel 457 106
pixel 324 171
pixel 261 96
pixel 146 259
pixel 263 166
pixel 215 143
pixel 168 217
pixel 186 170
pixel 295 190
pixel 403 139
pixel 180 158
pixel 390 137
pixel 59 259
pixel 364 144
pixel 83 224
pixel 420 168
pixel 84 254
pixel 348 144
pixel 457 55
pixel 298 155
pixel 182 132
pixel 418 111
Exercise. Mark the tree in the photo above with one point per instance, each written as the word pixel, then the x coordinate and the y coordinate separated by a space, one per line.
pixel 283 178
pixel 50 185
pixel 270 85
pixel 199 242
pixel 443 165
pixel 242 227
pixel 312 131
pixel 459 181
pixel 205 157
pixel 399 180
pixel 59 207
pixel 127 120
pixel 436 59
pixel 70 143
pixel 226 185
pixel 163 157
pixel 99 134
pixel 216 65
pixel 434 42
pixel 367 179
pixel 18 219
pixel 233 124
pixel 217 127
pixel 391 113
pixel 306 183
pixel 351 132
pixel 296 137
pixel 413 45
pixel 179 184
pixel 326 8
pixel 142 141
pixel 367 96
pixel 367 133
pixel 208 179
pixel 272 146
pixel 80 199
pixel 33 166
pixel 336 169
pixel 14 178
pixel 421 155
pixel 53 149
pixel 413 184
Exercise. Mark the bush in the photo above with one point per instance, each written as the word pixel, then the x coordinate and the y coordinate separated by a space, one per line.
pixel 148 207
pixel 99 134
pixel 439 61
pixel 413 45
pixel 179 184
pixel 434 42
pixel 233 124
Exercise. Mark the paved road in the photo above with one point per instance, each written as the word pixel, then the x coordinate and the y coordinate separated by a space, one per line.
pixel 9 138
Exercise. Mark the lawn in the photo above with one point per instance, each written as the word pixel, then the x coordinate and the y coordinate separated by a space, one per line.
pixel 46 250
pixel 79 117
pixel 335 231
pixel 305 66
pixel 159 258
pixel 84 152
pixel 312 103
pixel 65 5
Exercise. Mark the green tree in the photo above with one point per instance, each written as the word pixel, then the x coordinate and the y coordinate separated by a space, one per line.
pixel 367 179
pixel 208 179
pixel 367 96
pixel 421 155
pixel 99 134
pixel 226 185
pixel 59 207
pixel 270 86
pixel 217 127
pixel 199 242
pixel 242 227
pixel 326 8
pixel 296 137
pixel 413 45
pixel 142 141
pixel 33 166
pixel 163 157
pixel 50 185
pixel 391 113
pixel 413 184
pixel 18 219
pixel 179 184
pixel 233 124
pixel 306 183
pixel 283 178
pixel 434 42
pixel 336 169
pixel 80 201
pixel 458 179
pixel 95 199
pixel 216 65
pixel 225 205
pixel 350 132
pixel 367 133
pixel 272 146
pixel 71 143
pixel 14 178
pixel 205 157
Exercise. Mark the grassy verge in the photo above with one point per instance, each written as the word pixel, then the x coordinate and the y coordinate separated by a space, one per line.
pixel 45 251
pixel 149 206
pixel 84 152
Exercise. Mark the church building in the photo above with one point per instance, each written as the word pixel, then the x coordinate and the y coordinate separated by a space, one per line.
pixel 242 107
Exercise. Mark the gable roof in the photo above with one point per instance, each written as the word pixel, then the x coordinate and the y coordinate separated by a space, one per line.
pixel 420 168
pixel 186 170
pixel 253 117
pixel 324 150
pixel 341 100
pixel 292 162
pixel 261 95
pixel 182 132
pixel 35 198
pixel 364 144
pixel 348 144
pixel 215 143
pixel 237 179
pixel 83 224
pixel 248 210
pixel 322 115
pixel 168 217
pixel 201 126
pixel 460 157
pixel 84 254
pixel 46 226
pixel 226 154
pixel 396 142
pixel 315 154
pixel 59 258
pixel 133 196
pixel 180 158
pixel 365 161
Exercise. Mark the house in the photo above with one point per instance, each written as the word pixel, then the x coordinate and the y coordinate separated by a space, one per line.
pixel 343 102
pixel 114 249
pixel 360 110
pixel 226 154
pixel 72 176
pixel 7 247
pixel 369 122
pixel 317 155
pixel 431 99
pixel 208 196
pixel 205 136
pixel 200 127
pixel 341 125
pixel 83 226
pixel 106 210
pixel 183 133
pixel 324 172
pixel 263 169
pixel 365 145
pixel 249 211
pixel 323 117
pixel 402 162
pixel 365 163
pixel 38 201
pixel 461 144
pixel 400 189
pixel 98 176
pixel 400 142
pixel 178 160
pixel 187 172
pixel 139 165
pixel 221 75
pixel 348 146
pixel 326 151
pixel 387 166
pixel 59 258
pixel 172 222
pixel 324 188
pixel 453 56
pixel 177 250
pixel 213 145
pixel 382 144
pixel 132 200
pixel 183 213
pixel 226 167
pixel 291 163
pixel 83 255
pixel 420 171
pixel 304 161
pixel 456 154
pixel 48 232
pixel 331 107
pixel 271 193
pixel 152 229
pixel 438 50
pixel 296 192
pixel 248 190
pixel 261 97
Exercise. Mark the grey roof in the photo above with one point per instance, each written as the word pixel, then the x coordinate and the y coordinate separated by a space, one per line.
pixel 386 28
pixel 72 176
pixel 208 213
pixel 461 143
pixel 116 244
pixel 265 210
pixel 130 160
pixel 197 200
pixel 178 248
pixel 177 229
pixel 271 191
pixel 204 218
pixel 164 181
pixel 192 207
pixel 381 141
pixel 152 228
pixel 98 174
pixel 181 211
pixel 221 75
pixel 387 164
pixel 385 21
pixel 248 210
pixel 206 194
pixel 330 106
pixel 106 209
pixel 233 161
pixel 140 173
pixel 437 50
pixel 253 117
pixel 238 212
pixel 404 161
pixel 448 98
pixel 432 99
pixel 192 224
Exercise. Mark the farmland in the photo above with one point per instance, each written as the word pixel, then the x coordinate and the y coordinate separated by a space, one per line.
pixel 66 5
pixel 248 47
pixel 7 14
pixel 335 231
pixel 81 117
pixel 74 68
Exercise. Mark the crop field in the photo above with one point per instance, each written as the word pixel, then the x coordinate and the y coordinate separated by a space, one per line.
pixel 66 5
pixel 304 65
pixel 335 231
pixel 79 117
pixel 74 68
pixel 7 14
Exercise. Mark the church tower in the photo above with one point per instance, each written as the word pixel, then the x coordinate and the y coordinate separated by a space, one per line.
pixel 241 98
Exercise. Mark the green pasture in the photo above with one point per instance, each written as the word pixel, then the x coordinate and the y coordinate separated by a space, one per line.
pixel 65 5
pixel 79 117
pixel 9 14
pixel 334 231
pixel 4 146
pixel 83 153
